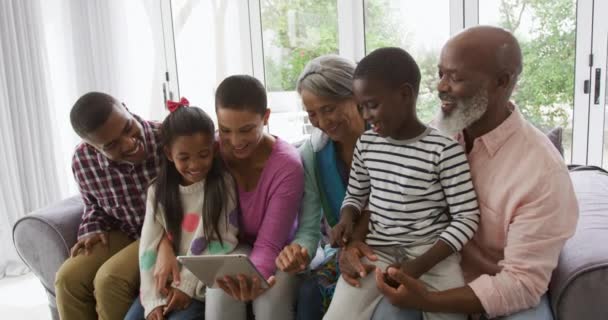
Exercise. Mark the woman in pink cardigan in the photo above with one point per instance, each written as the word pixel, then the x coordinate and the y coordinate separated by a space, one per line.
pixel 270 180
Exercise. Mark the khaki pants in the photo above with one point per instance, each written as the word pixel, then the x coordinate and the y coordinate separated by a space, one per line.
pixel 359 303
pixel 101 285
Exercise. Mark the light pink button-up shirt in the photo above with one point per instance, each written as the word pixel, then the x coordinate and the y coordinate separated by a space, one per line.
pixel 528 211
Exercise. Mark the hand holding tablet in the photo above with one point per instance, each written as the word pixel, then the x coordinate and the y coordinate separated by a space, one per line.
pixel 209 268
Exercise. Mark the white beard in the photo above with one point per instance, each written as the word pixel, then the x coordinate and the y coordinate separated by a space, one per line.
pixel 467 111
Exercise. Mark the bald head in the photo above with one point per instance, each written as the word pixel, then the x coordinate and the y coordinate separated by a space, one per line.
pixel 487 49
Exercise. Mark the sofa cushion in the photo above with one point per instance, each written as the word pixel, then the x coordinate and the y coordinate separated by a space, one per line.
pixel 555 135
pixel 579 287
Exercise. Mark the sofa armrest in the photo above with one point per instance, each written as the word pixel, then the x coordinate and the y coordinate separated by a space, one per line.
pixel 44 237
pixel 578 288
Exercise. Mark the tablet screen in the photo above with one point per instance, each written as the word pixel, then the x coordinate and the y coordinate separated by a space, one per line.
pixel 210 267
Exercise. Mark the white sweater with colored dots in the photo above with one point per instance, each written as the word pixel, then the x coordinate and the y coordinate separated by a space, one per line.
pixel 193 241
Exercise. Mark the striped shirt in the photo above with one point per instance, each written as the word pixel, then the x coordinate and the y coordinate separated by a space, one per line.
pixel 419 190
pixel 114 194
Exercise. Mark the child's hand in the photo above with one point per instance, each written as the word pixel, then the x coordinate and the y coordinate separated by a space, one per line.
pixel 411 268
pixel 156 314
pixel 342 232
pixel 351 262
pixel 166 266
pixel 176 300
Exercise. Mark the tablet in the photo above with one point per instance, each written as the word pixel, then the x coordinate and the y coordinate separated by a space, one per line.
pixel 210 267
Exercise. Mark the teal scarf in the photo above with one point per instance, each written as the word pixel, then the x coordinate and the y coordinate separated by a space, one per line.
pixel 330 182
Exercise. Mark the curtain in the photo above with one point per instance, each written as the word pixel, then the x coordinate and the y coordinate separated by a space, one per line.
pixel 52 52
pixel 28 177
pixel 113 46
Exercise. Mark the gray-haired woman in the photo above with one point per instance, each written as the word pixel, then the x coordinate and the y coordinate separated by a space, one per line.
pixel 325 86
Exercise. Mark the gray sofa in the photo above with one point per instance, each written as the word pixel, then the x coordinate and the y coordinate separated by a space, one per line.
pixel 579 289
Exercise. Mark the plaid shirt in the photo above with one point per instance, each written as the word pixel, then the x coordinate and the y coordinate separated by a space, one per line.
pixel 114 193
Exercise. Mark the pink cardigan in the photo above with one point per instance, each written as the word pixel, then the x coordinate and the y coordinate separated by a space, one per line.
pixel 268 219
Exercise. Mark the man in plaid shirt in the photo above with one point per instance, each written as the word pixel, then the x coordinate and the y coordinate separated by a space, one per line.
pixel 113 166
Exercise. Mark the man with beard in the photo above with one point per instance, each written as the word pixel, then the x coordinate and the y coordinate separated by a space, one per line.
pixel 528 206
pixel 113 166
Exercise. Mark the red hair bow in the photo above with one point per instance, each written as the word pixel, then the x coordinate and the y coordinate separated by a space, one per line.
pixel 174 105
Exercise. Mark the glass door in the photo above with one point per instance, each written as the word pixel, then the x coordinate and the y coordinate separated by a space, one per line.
pixel 293 33
pixel 205 41
pixel 421 28
pixel 547 33
pixel 596 88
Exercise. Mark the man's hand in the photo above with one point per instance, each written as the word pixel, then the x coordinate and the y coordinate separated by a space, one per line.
pixel 351 265
pixel 156 314
pixel 176 300
pixel 410 294
pixel 87 243
pixel 292 259
pixel 166 265
pixel 243 288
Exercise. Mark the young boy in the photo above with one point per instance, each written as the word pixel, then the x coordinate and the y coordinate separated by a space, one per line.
pixel 415 181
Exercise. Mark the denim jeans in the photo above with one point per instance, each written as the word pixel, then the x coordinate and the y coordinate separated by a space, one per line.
pixel 195 311
pixel 387 311
pixel 310 302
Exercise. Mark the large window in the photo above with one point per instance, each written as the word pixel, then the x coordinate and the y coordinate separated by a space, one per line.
pixel 211 43
pixel 294 32
pixel 546 30
pixel 419 27
pixel 273 40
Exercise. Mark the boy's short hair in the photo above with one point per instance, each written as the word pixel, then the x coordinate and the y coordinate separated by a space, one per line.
pixel 91 111
pixel 241 92
pixel 393 66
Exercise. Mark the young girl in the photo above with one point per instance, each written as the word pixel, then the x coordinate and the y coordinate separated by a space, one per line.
pixel 193 202
pixel 270 181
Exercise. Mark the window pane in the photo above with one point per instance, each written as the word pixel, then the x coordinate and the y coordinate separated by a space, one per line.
pixel 421 28
pixel 211 43
pixel 294 32
pixel 546 30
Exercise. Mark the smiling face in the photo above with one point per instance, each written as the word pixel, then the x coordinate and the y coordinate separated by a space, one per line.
pixel 463 90
pixel 389 111
pixel 460 110
pixel 240 130
pixel 192 156
pixel 336 118
pixel 120 138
